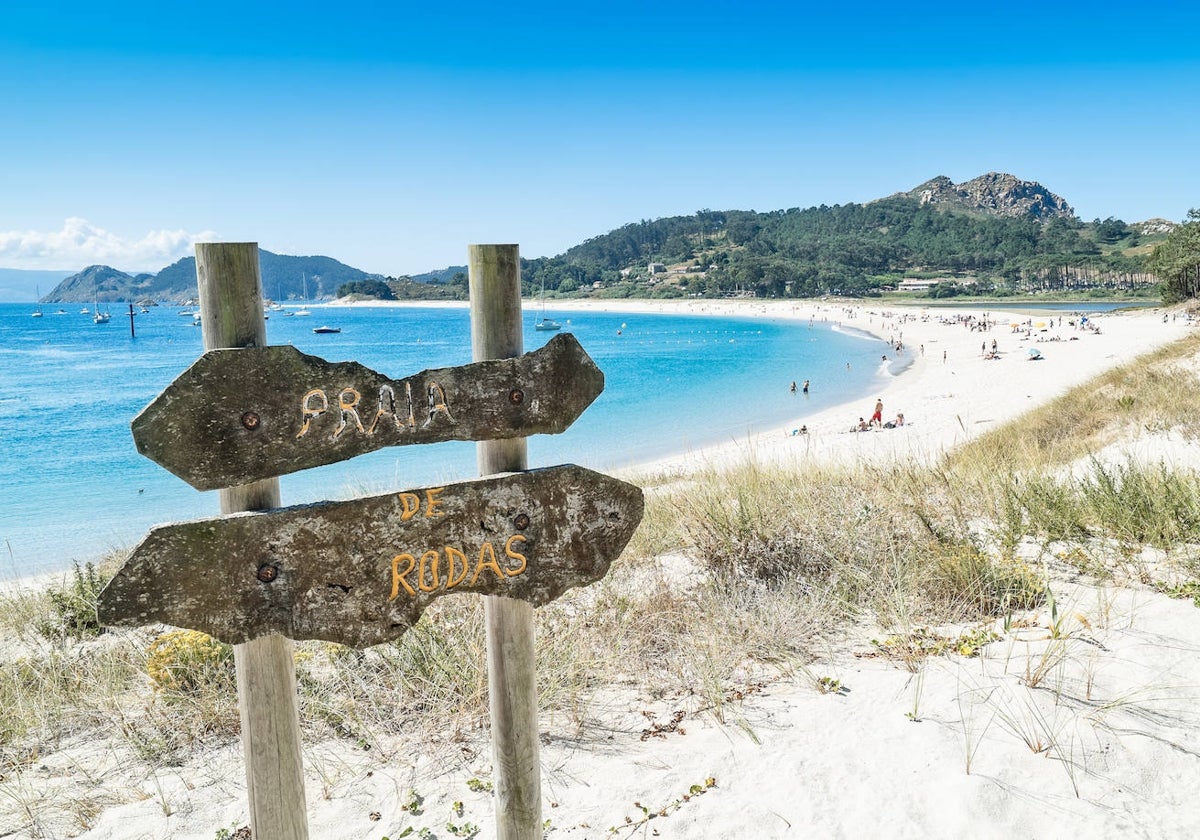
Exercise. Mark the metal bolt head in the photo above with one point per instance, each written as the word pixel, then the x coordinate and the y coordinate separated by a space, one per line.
pixel 251 420
pixel 522 521
pixel 267 572
pixel 516 396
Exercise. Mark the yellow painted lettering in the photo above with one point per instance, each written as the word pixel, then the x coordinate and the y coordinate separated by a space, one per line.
pixel 410 503
pixel 411 422
pixel 432 502
pixel 438 405
pixel 387 405
pixel 398 576
pixel 347 400
pixel 514 555
pixel 421 575
pixel 490 563
pixel 454 555
pixel 309 411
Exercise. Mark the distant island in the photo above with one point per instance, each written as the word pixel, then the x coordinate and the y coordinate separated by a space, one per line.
pixel 996 236
pixel 284 278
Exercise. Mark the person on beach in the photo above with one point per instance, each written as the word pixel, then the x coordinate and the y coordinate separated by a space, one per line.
pixel 805 386
pixel 793 386
pixel 877 417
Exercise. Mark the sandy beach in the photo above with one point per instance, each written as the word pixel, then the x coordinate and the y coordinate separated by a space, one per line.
pixel 946 752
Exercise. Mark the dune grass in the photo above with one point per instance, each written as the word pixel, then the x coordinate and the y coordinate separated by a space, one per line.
pixel 734 577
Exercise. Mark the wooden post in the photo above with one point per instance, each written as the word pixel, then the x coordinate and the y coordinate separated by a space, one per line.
pixel 132 331
pixel 231 314
pixel 495 289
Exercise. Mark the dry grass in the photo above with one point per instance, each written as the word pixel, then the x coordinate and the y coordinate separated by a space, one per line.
pixel 1156 392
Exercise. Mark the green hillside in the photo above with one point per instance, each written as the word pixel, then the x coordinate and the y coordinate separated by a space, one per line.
pixel 851 249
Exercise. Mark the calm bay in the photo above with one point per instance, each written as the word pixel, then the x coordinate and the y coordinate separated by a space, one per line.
pixel 73 487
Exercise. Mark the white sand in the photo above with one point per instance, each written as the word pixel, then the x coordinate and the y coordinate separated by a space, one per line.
pixel 887 758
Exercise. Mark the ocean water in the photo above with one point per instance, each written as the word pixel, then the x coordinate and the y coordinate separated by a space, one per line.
pixel 72 485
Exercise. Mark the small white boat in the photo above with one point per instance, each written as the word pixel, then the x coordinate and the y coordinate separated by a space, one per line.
pixel 302 311
pixel 546 324
pixel 85 311
pixel 101 317
pixel 322 330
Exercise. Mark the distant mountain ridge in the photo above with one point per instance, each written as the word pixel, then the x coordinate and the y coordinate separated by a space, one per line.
pixel 284 278
pixel 996 194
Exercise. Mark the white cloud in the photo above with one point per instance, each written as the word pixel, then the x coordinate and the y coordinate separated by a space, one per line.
pixel 80 244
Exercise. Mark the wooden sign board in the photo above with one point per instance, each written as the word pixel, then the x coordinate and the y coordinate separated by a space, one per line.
pixel 361 572
pixel 242 415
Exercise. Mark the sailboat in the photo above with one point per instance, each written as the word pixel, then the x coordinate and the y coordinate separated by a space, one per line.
pixel 546 324
pixel 100 317
pixel 303 310
pixel 37 309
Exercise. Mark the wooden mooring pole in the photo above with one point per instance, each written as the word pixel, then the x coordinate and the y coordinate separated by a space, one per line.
pixel 495 289
pixel 231 314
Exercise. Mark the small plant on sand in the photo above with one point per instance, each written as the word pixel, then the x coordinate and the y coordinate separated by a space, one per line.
pixel 632 825
pixel 922 642
pixel 186 660
pixel 73 605
pixel 1188 589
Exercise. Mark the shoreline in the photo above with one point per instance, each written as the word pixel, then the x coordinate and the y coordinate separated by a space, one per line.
pixel 947 388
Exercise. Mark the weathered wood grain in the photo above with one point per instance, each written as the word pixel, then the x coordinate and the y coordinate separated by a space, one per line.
pixel 237 416
pixel 494 275
pixel 228 278
pixel 361 572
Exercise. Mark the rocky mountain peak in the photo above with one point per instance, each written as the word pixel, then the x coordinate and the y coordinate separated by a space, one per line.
pixel 997 194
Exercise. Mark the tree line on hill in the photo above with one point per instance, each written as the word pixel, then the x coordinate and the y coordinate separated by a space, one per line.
pixel 1177 261
pixel 850 249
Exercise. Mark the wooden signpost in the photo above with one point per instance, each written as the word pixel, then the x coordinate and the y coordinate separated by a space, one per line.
pixel 242 415
pixel 362 572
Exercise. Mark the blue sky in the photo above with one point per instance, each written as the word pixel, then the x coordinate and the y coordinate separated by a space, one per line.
pixel 391 135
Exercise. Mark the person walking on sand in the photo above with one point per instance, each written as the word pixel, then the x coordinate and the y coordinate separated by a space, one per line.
pixel 877 417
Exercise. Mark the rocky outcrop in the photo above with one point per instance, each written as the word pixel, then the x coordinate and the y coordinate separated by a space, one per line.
pixel 996 194
pixel 1154 226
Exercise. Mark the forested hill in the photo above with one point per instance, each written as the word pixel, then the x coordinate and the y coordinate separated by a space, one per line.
pixel 995 231
pixel 283 278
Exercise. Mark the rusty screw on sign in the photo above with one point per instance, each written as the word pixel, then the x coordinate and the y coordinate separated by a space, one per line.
pixel 522 521
pixel 267 572
pixel 251 420
pixel 516 396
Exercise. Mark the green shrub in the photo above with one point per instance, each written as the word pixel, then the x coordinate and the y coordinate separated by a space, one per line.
pixel 73 605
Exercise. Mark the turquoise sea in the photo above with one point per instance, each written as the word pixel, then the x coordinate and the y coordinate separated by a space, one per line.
pixel 72 486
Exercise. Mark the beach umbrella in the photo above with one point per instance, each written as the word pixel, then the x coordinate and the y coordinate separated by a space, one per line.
pixel 1040 324
pixel 1034 353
